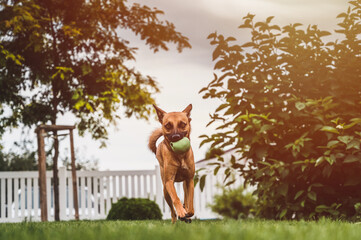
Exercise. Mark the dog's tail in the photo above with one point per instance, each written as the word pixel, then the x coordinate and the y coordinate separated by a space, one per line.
pixel 156 134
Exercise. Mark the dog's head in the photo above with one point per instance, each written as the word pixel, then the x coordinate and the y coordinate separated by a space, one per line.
pixel 175 125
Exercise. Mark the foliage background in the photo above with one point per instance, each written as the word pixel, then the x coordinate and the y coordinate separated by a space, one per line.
pixel 291 106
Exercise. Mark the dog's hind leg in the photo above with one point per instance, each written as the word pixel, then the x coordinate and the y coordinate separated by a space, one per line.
pixel 168 199
pixel 185 190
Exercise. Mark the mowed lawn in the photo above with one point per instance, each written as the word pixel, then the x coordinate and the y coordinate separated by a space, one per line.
pixel 148 230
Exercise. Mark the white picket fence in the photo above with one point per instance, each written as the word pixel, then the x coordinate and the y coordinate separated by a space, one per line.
pixel 97 190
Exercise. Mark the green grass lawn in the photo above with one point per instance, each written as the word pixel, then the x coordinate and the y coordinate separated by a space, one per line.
pixel 148 230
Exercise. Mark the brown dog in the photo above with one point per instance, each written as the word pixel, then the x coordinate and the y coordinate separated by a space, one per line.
pixel 175 167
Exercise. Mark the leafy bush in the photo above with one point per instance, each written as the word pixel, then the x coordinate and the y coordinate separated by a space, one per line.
pixel 291 106
pixel 134 209
pixel 234 203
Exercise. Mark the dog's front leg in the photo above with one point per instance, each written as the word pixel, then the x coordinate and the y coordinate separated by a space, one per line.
pixel 169 184
pixel 189 193
pixel 170 204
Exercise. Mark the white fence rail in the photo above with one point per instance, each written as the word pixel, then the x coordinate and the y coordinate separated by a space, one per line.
pixel 97 190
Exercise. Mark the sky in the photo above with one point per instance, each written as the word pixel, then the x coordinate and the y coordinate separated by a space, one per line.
pixel 182 75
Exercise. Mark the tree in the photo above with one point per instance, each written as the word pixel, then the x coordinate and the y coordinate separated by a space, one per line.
pixel 291 106
pixel 60 56
pixel 69 56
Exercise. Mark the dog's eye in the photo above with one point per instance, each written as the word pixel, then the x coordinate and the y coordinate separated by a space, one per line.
pixel 182 125
pixel 168 126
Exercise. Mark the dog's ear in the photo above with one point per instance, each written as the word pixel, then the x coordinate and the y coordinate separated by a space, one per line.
pixel 187 110
pixel 160 113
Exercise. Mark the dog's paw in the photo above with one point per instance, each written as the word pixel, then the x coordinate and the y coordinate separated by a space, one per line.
pixel 181 212
pixel 184 219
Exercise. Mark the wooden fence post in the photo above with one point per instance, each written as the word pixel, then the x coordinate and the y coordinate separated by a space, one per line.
pixel 73 173
pixel 42 174
pixel 56 176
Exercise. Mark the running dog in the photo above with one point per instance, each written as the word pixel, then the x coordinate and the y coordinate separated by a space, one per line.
pixel 175 167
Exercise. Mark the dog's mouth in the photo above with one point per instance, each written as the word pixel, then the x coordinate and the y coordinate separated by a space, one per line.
pixel 175 137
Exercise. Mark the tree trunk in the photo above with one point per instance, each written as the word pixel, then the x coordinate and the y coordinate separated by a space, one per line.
pixel 55 102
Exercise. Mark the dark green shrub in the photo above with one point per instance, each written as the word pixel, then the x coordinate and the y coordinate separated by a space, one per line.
pixel 357 216
pixel 234 203
pixel 134 209
pixel 291 106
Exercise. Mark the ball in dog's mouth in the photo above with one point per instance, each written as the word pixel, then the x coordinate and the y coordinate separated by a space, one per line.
pixel 181 146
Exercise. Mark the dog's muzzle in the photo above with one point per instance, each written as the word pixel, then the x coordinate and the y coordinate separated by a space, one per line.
pixel 174 137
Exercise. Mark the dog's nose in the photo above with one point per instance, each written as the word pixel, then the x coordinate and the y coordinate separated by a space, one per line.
pixel 176 137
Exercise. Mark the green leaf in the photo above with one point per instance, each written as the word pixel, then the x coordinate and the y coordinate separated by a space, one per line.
pixel 324 33
pixel 300 106
pixel 202 182
pixel 265 163
pixel 79 104
pixel 196 179
pixel 342 15
pixel 217 52
pixel 17 62
pixel 298 194
pixel 242 117
pixel 220 64
pixel 269 19
pixel 345 139
pixel 329 129
pixel 230 183
pixel 89 107
pixel 248 44
pixel 330 160
pixel 351 158
pixel 319 160
pixel 312 195
pixel 321 208
pixel 332 143
pixel 353 144
pixel 266 127
pixel 212 35
pixel 229 39
pixel 222 106
pixel 215 171
pixel 283 213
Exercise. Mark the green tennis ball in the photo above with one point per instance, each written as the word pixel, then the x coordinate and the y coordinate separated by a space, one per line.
pixel 181 146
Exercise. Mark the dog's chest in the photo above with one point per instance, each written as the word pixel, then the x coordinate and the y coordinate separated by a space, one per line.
pixel 183 172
